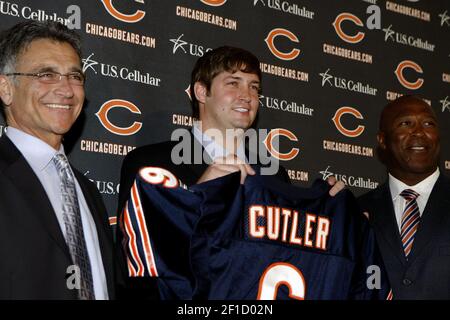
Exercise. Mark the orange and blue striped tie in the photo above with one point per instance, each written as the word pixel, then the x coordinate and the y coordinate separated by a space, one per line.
pixel 410 220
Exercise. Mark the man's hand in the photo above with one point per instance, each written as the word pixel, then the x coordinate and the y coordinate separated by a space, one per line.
pixel 336 185
pixel 223 166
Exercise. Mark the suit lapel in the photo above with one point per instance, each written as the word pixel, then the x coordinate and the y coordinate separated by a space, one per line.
pixel 32 193
pixel 386 224
pixel 434 219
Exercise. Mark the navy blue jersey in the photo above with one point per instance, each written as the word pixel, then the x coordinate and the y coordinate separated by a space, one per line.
pixel 157 223
pixel 261 240
pixel 273 240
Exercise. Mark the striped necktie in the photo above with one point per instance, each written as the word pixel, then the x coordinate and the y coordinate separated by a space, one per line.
pixel 410 220
pixel 74 228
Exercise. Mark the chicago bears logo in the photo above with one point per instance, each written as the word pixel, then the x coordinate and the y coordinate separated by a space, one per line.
pixel 102 115
pixel 348 132
pixel 128 18
pixel 279 32
pixel 269 143
pixel 401 78
pixel 214 3
pixel 337 24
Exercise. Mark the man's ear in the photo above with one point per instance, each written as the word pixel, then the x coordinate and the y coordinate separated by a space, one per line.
pixel 6 90
pixel 200 92
pixel 381 140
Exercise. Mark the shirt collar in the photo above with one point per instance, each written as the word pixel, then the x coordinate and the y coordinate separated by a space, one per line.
pixel 37 153
pixel 424 187
pixel 213 149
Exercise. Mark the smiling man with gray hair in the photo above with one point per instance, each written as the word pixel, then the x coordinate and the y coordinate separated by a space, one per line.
pixel 55 241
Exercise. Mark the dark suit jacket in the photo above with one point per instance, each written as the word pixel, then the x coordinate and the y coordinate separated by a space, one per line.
pixel 426 274
pixel 34 254
pixel 157 155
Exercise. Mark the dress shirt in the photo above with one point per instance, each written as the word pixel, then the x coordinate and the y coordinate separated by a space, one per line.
pixel 214 149
pixel 39 156
pixel 423 188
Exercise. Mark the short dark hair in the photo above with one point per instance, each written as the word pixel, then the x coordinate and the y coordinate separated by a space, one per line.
pixel 403 100
pixel 226 58
pixel 16 39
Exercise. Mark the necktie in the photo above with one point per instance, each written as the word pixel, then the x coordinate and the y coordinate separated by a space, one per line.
pixel 74 228
pixel 410 220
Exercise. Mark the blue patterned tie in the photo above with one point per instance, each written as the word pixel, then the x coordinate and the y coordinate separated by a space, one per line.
pixel 74 228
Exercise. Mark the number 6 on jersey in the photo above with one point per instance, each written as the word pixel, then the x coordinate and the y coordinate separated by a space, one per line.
pixel 278 274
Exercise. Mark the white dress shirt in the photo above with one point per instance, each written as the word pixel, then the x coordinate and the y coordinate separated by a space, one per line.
pixel 39 156
pixel 214 149
pixel 423 188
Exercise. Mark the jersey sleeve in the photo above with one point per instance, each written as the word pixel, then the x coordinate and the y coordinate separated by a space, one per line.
pixel 156 225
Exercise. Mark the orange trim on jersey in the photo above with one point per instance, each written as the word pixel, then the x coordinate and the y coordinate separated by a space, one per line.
pixel 149 258
pixel 132 244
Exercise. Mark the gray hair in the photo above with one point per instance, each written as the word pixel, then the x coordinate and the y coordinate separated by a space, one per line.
pixel 16 39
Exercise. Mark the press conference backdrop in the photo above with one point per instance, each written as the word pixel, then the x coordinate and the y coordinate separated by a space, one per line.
pixel 328 67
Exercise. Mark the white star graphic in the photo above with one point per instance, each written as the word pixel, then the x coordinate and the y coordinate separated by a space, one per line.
pixel 188 92
pixel 389 33
pixel 444 18
pixel 325 173
pixel 178 43
pixel 260 100
pixel 326 77
pixel 88 63
pixel 445 104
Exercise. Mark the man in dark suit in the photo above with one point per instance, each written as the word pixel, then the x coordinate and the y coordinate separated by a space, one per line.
pixel 225 87
pixel 411 211
pixel 55 241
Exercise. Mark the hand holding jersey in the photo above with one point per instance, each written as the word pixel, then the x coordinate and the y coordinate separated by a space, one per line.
pixel 226 240
pixel 231 163
pixel 226 165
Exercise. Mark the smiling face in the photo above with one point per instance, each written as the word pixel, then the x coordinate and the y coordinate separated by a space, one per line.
pixel 46 111
pixel 409 136
pixel 231 103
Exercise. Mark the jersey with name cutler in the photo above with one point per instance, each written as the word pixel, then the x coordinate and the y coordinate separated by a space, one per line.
pixel 264 239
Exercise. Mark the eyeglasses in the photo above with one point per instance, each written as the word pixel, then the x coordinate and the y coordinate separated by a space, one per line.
pixel 52 77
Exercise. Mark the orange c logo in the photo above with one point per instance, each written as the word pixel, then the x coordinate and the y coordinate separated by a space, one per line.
pixel 102 115
pixel 401 78
pixel 268 142
pixel 214 3
pixel 129 18
pixel 337 122
pixel 291 55
pixel 337 26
